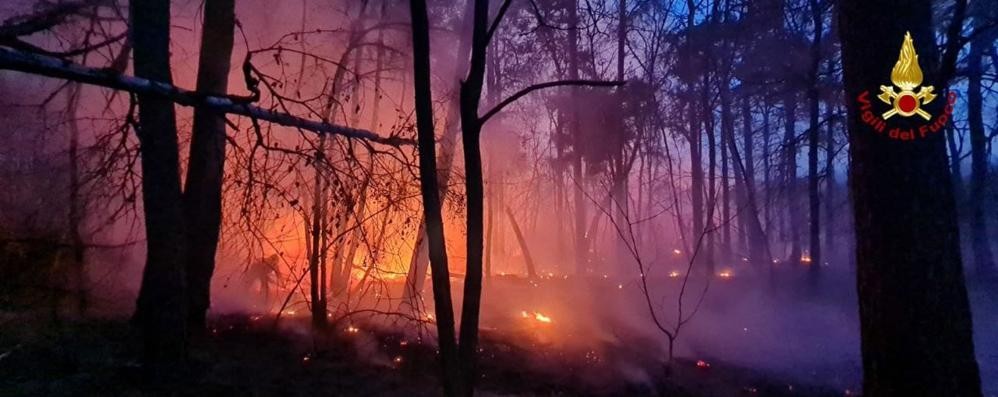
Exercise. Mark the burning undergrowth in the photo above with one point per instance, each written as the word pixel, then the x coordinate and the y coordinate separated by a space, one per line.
pixel 580 335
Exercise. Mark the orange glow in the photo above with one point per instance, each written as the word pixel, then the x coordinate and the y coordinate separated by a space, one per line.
pixel 536 316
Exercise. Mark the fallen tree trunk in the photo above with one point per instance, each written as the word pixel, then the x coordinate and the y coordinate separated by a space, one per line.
pixel 529 260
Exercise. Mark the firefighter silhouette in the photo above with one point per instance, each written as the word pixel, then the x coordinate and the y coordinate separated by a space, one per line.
pixel 265 273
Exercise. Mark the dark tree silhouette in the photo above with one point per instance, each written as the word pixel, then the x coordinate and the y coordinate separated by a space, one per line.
pixel 161 308
pixel 914 312
pixel 431 198
pixel 203 185
pixel 984 15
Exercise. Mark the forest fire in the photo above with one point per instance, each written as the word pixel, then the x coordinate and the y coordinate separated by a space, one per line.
pixel 355 197
pixel 536 316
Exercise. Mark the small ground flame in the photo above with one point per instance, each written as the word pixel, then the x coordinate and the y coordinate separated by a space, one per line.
pixel 536 316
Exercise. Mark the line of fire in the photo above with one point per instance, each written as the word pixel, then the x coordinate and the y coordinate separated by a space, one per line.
pixel 498 198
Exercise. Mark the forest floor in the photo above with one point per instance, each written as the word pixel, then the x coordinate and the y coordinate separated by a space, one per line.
pixel 757 336
pixel 787 341
pixel 248 356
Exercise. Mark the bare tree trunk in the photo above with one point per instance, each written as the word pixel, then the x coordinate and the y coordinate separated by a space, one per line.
pixel 161 309
pixel 471 129
pixel 830 185
pixel 490 222
pixel 767 180
pixel 417 264
pixel 696 152
pixel 711 208
pixel 581 245
pixel 430 192
pixel 914 313
pixel 984 262
pixel 527 259
pixel 813 201
pixel 790 173
pixel 203 185
pixel 758 243
pixel 316 276
pixel 76 205
pixel 619 190
pixel 727 133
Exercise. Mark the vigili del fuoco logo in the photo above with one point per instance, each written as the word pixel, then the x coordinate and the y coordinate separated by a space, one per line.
pixel 905 99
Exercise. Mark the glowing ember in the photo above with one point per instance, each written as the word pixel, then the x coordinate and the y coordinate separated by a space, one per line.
pixel 805 257
pixel 703 364
pixel 398 360
pixel 677 251
pixel 724 274
pixel 673 274
pixel 536 316
pixel 305 359
pixel 620 286
pixel 353 330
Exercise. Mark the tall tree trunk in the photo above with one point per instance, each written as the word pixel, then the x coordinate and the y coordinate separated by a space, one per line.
pixel 955 168
pixel 161 309
pixel 318 251
pixel 578 141
pixel 619 189
pixel 696 152
pixel 984 262
pixel 813 202
pixel 915 318
pixel 790 173
pixel 727 133
pixel 767 180
pixel 471 129
pixel 430 192
pixel 203 185
pixel 830 185
pixel 758 243
pixel 417 264
pixel 490 198
pixel 76 205
pixel 708 130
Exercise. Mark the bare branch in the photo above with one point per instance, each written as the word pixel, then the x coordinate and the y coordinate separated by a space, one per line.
pixel 495 22
pixel 53 67
pixel 535 87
